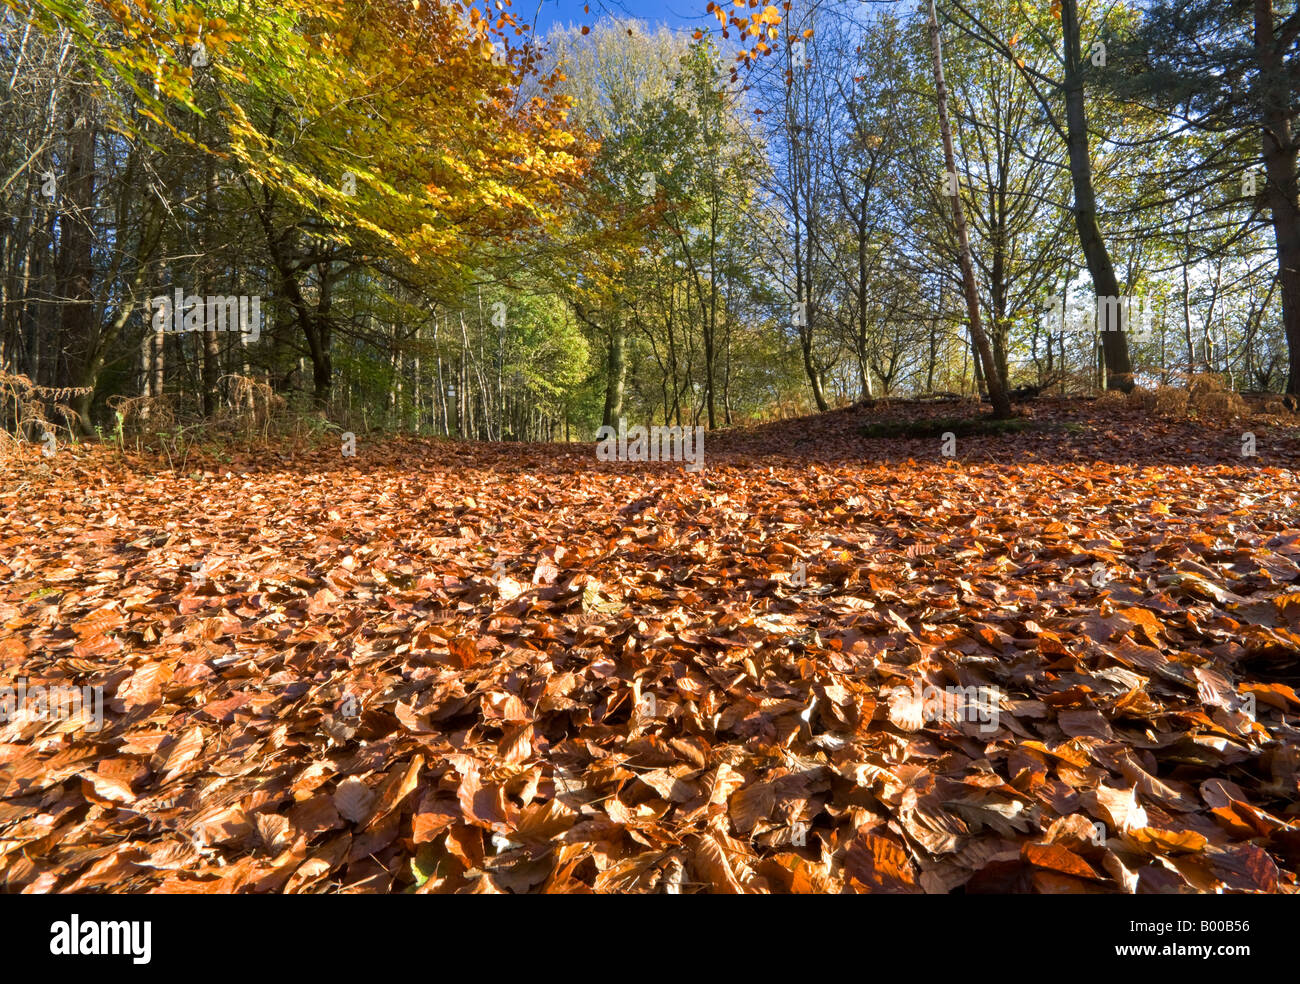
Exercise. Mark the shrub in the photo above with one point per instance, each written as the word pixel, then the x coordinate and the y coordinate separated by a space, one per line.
pixel 1170 402
pixel 25 409
pixel 1200 384
pixel 248 409
pixel 1220 404
pixel 1142 398
pixel 1111 400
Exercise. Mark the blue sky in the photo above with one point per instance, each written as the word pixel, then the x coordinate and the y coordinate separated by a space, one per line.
pixel 674 13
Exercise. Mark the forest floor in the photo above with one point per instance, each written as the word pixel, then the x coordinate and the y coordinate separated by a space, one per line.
pixel 1063 660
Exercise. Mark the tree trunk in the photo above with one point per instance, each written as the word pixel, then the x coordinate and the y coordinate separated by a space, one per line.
pixel 864 372
pixel 617 374
pixel 1119 370
pixel 75 262
pixel 997 393
pixel 1283 184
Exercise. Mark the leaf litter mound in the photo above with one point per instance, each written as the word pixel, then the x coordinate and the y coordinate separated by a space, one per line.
pixel 443 667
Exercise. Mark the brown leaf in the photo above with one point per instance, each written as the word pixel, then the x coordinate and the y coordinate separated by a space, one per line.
pixel 465 652
pixel 880 865
pixel 354 800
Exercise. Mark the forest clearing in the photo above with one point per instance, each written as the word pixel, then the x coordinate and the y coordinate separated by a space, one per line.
pixel 657 447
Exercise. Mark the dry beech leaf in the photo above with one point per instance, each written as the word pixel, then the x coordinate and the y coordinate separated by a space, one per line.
pixel 354 800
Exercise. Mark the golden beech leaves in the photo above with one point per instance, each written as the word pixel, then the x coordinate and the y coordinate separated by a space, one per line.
pixel 761 25
pixel 417 102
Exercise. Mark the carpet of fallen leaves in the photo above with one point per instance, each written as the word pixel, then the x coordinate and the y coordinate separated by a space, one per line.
pixel 445 667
